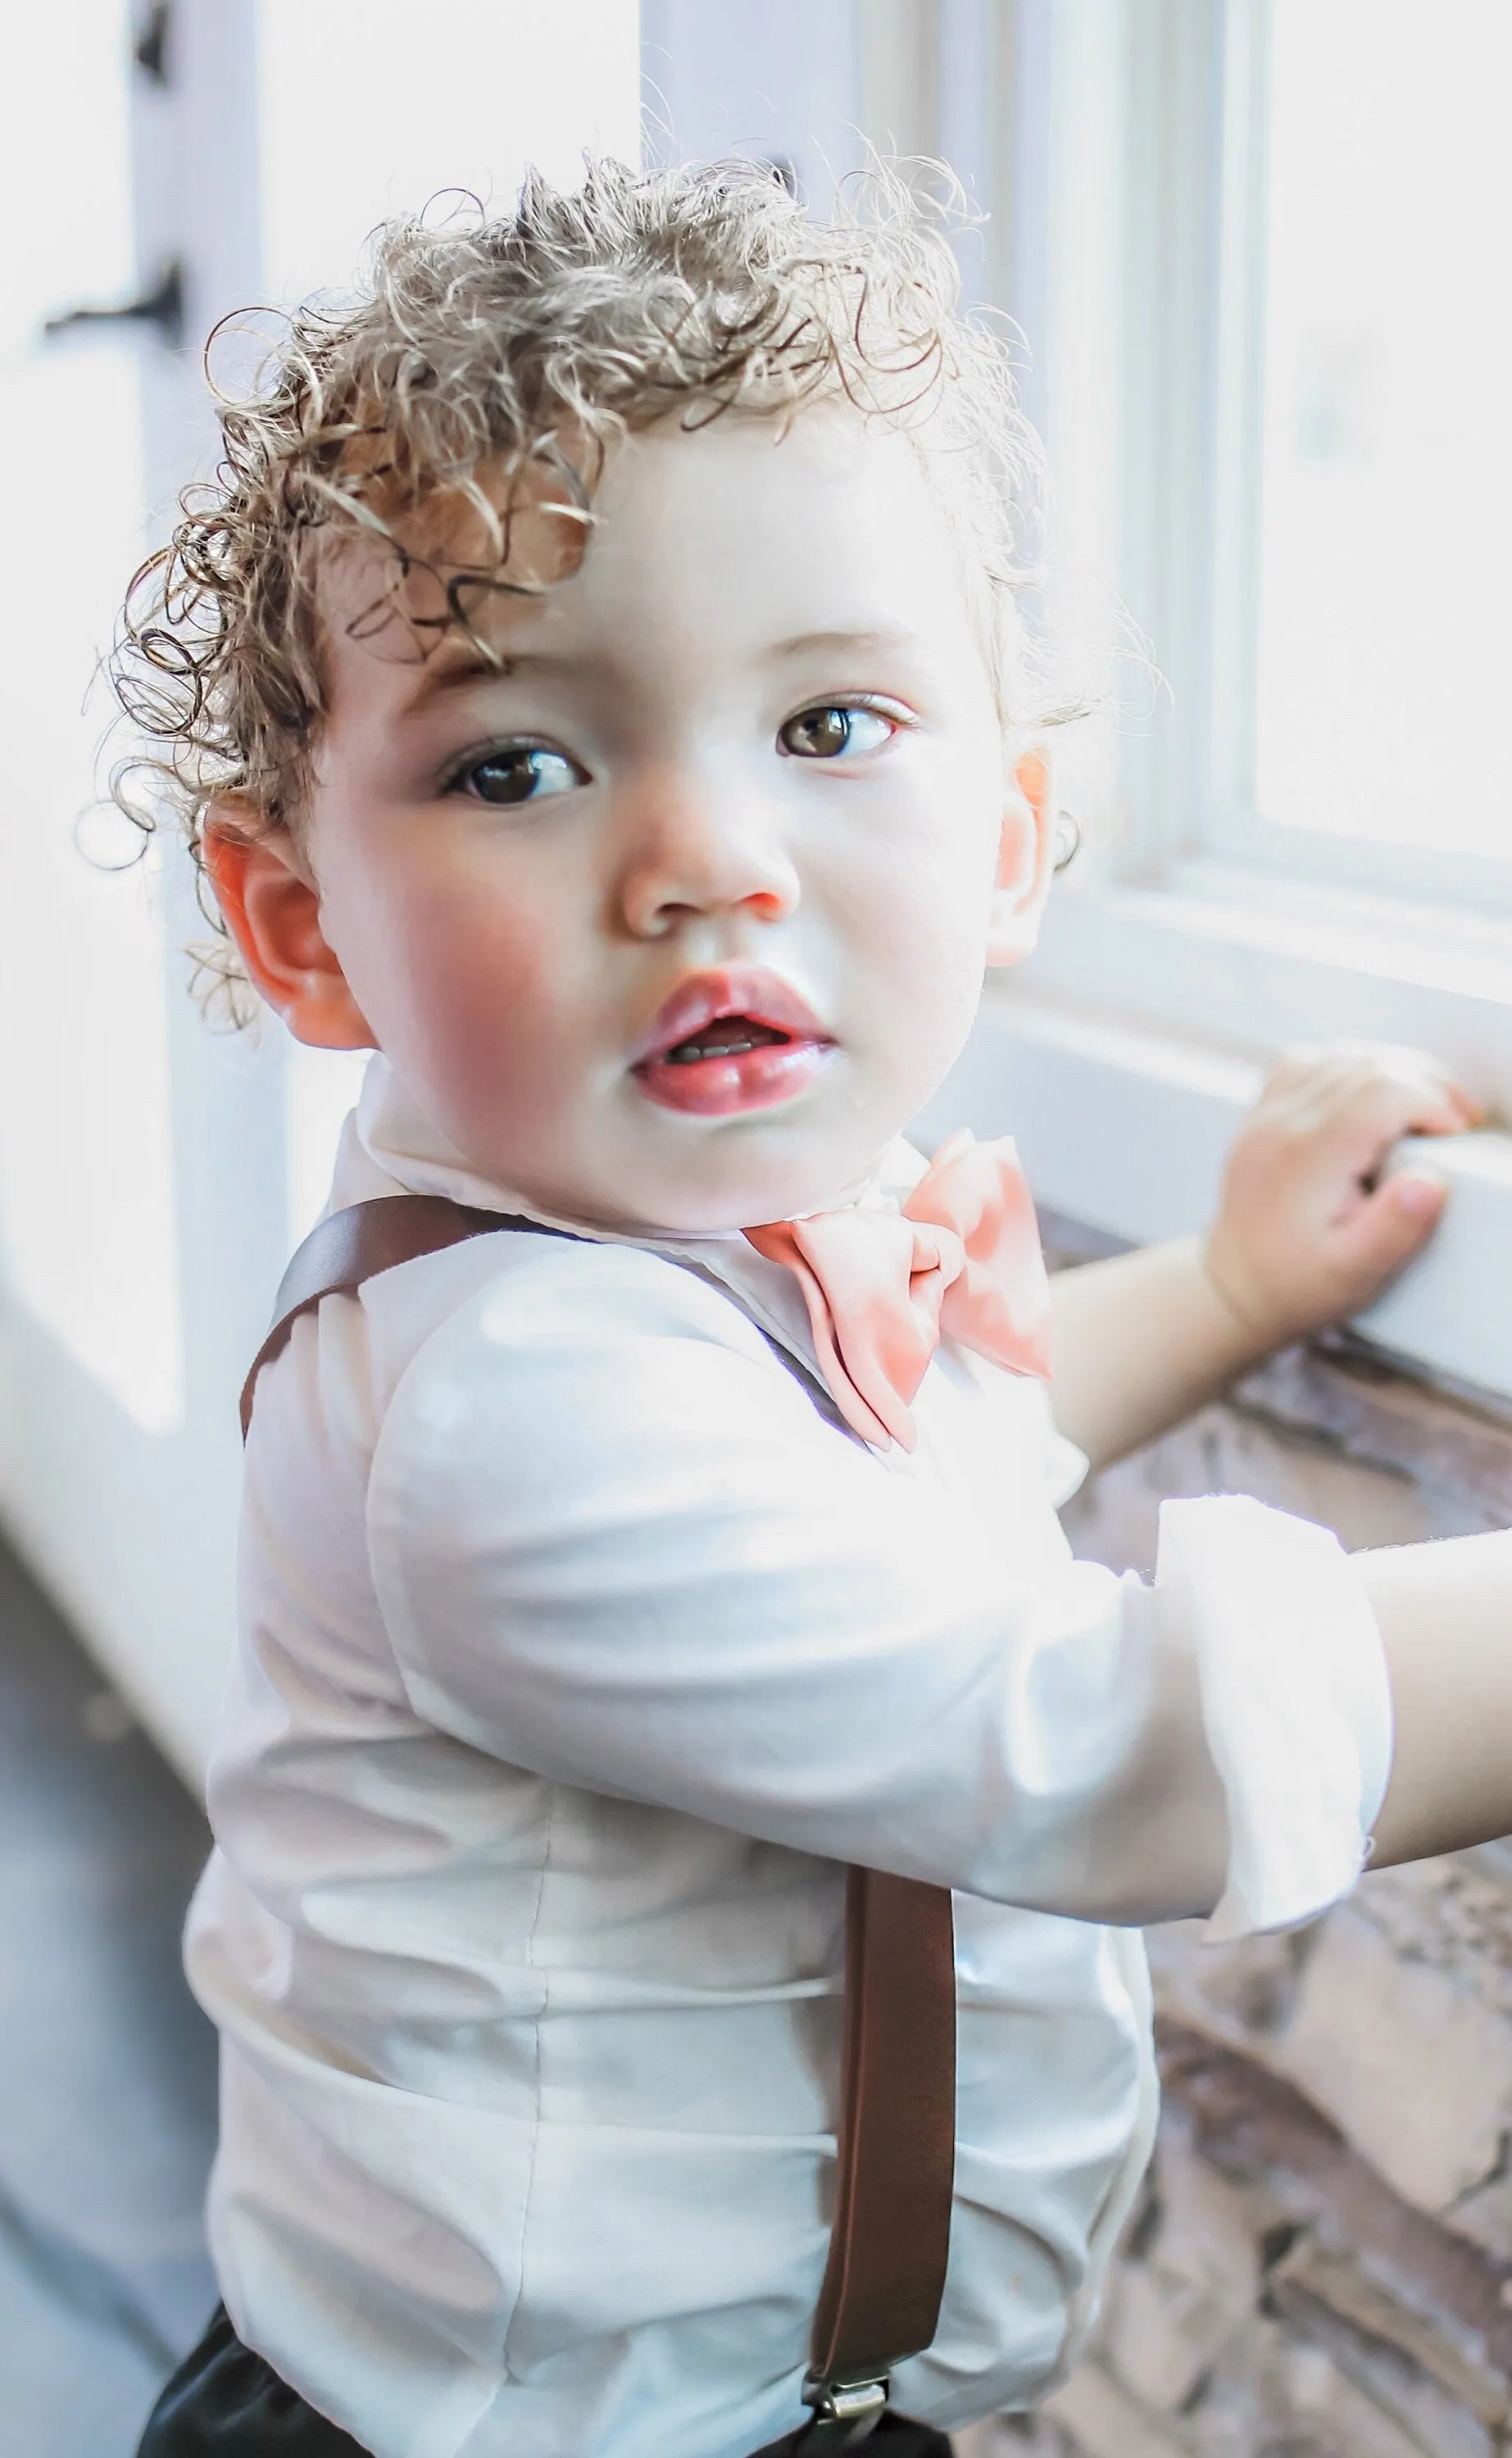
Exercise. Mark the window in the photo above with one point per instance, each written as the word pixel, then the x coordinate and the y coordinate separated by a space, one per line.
pixel 1375 436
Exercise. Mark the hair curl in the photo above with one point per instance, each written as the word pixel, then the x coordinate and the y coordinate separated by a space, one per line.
pixel 481 345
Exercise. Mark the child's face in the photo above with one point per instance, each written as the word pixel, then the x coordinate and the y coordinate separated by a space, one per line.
pixel 680 917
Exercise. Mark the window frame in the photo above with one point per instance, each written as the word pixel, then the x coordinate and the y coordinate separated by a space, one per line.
pixel 1150 210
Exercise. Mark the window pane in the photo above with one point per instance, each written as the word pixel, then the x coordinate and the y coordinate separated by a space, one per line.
pixel 1385 617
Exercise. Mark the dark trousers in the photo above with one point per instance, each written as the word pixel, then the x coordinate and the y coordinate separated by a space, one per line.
pixel 224 2402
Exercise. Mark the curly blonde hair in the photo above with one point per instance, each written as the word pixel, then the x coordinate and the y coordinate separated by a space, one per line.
pixel 489 344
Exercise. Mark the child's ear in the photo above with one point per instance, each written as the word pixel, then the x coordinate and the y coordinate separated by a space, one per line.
pixel 1025 861
pixel 272 909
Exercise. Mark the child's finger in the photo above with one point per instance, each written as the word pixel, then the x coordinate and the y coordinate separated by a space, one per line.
pixel 1424 1080
pixel 1391 1226
pixel 1311 1089
pixel 1431 1095
pixel 1379 1111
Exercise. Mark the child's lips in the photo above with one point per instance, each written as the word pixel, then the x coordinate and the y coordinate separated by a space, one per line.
pixel 738 1038
pixel 719 1084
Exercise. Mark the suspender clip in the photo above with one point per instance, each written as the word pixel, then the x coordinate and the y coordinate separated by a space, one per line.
pixel 845 2413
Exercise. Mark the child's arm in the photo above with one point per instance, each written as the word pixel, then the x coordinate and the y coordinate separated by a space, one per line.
pixel 1304 1237
pixel 1444 1611
pixel 615 1545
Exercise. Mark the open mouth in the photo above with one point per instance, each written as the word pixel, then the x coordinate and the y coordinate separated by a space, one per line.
pixel 729 1037
pixel 731 1040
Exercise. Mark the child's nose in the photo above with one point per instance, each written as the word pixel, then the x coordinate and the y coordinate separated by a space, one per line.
pixel 693 848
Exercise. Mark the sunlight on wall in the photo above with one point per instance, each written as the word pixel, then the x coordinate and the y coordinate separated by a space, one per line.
pixel 86 1155
pixel 372 107
pixel 1387 480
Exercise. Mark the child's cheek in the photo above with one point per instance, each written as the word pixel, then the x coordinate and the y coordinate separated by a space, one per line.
pixel 469 998
pixel 923 922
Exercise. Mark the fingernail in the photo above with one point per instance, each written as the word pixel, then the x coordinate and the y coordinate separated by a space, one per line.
pixel 1418 1195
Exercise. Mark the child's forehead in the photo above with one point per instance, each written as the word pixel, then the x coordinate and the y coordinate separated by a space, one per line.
pixel 830 520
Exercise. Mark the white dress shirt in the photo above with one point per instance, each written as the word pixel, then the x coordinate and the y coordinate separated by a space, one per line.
pixel 578 1655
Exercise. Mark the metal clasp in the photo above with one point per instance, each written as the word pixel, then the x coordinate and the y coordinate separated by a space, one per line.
pixel 845 2413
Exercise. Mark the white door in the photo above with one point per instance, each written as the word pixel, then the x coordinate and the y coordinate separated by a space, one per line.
pixel 190 158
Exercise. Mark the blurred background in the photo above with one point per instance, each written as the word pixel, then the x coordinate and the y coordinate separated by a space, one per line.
pixel 1252 258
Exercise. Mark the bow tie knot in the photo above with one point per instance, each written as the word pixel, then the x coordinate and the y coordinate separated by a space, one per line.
pixel 960 1260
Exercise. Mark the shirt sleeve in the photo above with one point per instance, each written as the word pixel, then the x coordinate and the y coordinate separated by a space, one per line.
pixel 614 1543
pixel 1295 1701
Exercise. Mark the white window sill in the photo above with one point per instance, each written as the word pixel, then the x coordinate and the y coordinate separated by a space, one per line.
pixel 1124 1058
pixel 1257 957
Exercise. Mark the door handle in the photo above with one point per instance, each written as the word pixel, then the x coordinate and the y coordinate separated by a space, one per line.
pixel 162 308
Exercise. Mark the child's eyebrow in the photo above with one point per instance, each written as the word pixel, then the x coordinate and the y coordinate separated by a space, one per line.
pixel 441 675
pixel 871 640
pixel 455 671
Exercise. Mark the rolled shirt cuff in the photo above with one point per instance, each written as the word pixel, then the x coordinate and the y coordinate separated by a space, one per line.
pixel 1296 1703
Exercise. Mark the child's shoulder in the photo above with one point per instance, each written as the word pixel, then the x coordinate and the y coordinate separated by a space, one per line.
pixel 511 1336
pixel 577 1384
pixel 524 1347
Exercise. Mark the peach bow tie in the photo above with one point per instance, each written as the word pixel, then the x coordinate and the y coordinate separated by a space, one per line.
pixel 961 1261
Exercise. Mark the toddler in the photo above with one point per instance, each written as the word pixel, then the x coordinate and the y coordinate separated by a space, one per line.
pixel 595 684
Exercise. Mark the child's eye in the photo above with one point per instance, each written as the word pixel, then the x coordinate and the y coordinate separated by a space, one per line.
pixel 830 733
pixel 522 772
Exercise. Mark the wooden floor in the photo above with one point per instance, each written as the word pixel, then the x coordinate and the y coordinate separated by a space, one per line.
pixel 107 2068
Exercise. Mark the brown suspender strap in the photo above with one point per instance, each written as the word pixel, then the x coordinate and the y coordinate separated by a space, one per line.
pixel 349 1247
pixel 895 2173
pixel 881 2297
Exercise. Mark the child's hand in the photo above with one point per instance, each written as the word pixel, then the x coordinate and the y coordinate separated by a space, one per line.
pixel 1305 1235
